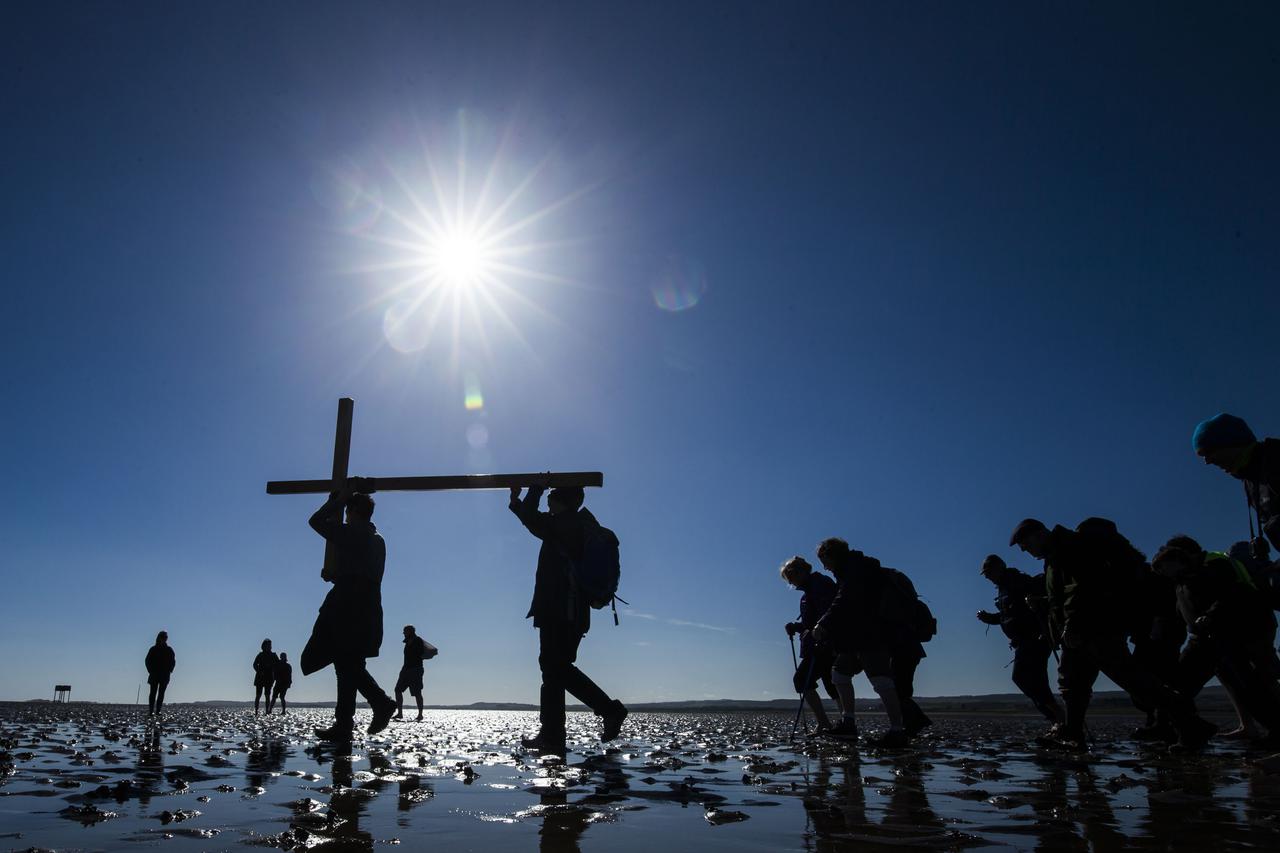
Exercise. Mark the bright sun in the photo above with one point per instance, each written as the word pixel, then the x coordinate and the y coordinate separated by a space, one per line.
pixel 459 249
pixel 459 259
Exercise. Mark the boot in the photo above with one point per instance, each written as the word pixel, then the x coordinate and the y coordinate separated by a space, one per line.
pixel 612 720
pixel 845 730
pixel 1193 735
pixel 892 739
pixel 544 744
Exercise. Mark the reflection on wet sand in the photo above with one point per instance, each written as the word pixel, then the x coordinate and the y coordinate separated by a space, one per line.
pixel 714 781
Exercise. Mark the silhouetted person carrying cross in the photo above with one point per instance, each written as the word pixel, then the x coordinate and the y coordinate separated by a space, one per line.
pixel 561 615
pixel 264 673
pixel 160 663
pixel 283 681
pixel 348 629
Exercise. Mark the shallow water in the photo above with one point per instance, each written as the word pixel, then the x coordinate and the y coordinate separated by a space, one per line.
pixel 90 777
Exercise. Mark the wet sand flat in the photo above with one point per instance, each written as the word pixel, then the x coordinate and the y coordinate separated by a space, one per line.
pixel 93 777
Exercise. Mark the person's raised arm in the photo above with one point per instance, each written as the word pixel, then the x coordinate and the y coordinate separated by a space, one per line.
pixel 526 510
pixel 327 520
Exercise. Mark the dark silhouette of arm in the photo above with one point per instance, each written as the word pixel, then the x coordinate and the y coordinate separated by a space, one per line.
pixel 526 509
pixel 327 520
pixel 840 611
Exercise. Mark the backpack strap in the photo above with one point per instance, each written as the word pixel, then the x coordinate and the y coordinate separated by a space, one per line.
pixel 1253 502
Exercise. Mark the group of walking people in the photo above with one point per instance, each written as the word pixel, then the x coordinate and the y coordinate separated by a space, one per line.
pixel 1159 628
pixel 272 678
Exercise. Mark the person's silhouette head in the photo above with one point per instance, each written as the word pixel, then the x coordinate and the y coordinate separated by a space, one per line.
pixel 565 499
pixel 1031 536
pixel 796 571
pixel 994 568
pixel 409 631
pixel 1223 440
pixel 359 507
pixel 284 657
pixel 266 645
pixel 1178 558
pixel 162 638
pixel 834 554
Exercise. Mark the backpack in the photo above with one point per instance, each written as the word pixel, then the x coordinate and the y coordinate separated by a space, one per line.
pixel 428 651
pixel 597 574
pixel 1108 548
pixel 920 619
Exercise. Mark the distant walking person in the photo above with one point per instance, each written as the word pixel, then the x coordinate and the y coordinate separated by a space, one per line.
pixel 876 623
pixel 416 650
pixel 561 615
pixel 160 662
pixel 283 681
pixel 1027 637
pixel 348 629
pixel 815 661
pixel 264 673
pixel 1227 442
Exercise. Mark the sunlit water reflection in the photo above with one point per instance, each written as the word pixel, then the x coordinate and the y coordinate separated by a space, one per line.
pixel 100 777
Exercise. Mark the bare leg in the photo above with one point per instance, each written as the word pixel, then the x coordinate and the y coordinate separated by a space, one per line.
pixel 1246 728
pixel 844 695
pixel 815 704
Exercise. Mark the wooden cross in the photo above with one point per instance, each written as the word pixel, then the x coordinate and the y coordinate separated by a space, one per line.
pixel 342 453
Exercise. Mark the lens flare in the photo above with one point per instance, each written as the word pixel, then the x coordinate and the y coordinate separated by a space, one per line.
pixel 477 436
pixel 473 398
pixel 679 285
pixel 352 198
pixel 405 327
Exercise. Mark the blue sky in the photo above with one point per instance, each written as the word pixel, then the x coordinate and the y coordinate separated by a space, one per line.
pixel 902 273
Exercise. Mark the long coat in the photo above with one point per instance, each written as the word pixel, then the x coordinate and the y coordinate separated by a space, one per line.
pixel 264 668
pixel 349 624
pixel 160 663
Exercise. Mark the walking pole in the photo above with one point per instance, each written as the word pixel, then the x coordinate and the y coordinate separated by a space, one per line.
pixel 794 663
pixel 800 710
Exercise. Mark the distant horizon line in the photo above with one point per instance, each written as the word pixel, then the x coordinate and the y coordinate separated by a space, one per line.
pixel 746 704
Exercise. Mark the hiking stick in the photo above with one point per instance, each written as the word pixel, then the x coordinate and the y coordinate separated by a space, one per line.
pixel 795 664
pixel 800 710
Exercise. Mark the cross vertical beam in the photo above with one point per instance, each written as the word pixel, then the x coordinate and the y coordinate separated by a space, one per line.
pixel 341 459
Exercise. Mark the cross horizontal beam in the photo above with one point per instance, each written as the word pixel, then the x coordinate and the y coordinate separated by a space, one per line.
pixel 583 479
